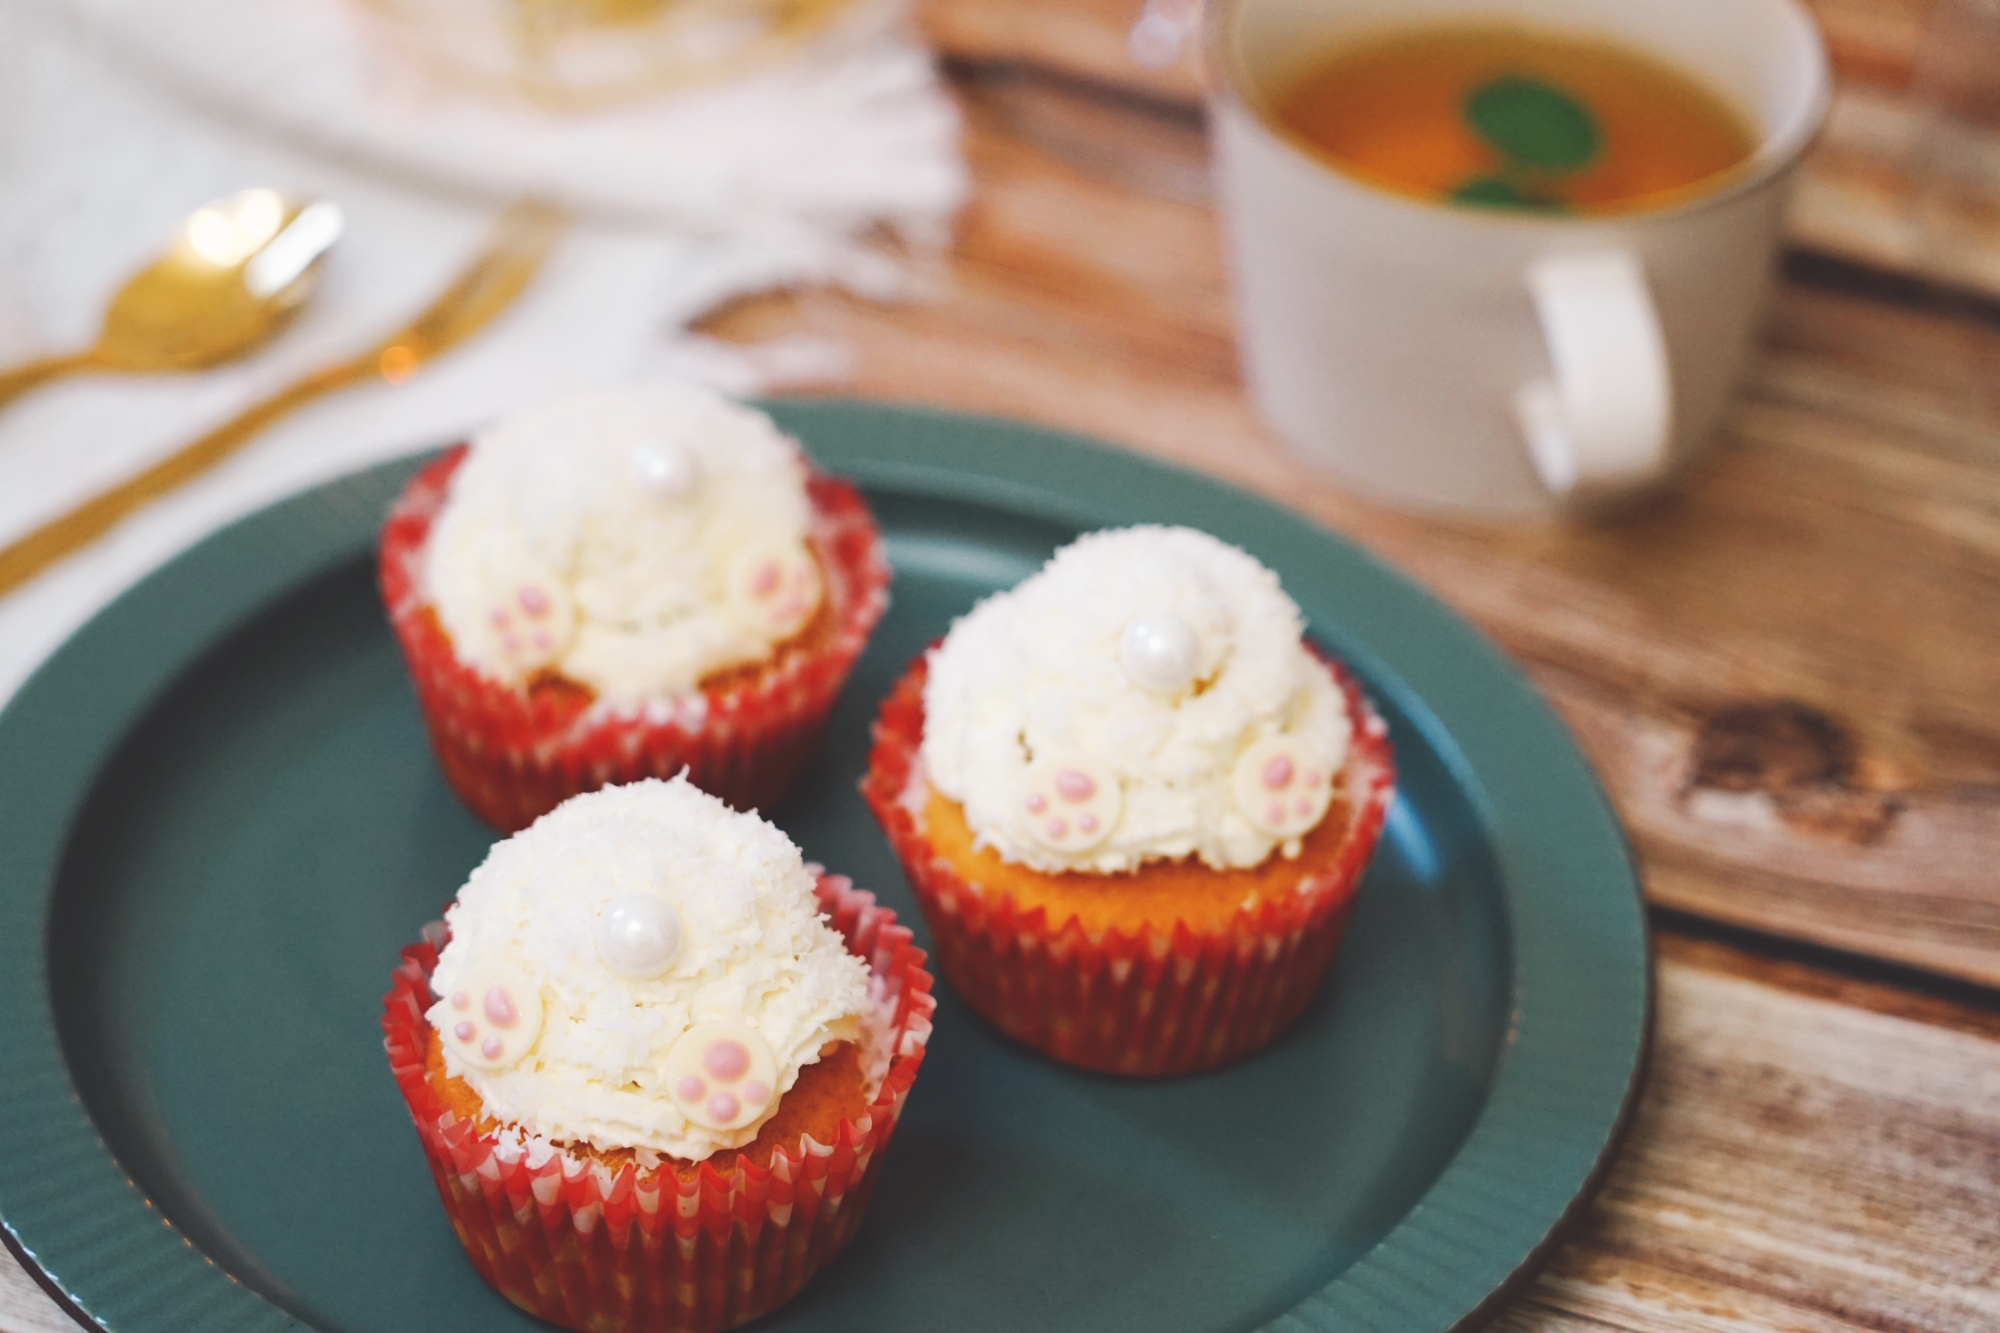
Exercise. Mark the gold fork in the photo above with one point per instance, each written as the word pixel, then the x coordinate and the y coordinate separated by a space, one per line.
pixel 521 238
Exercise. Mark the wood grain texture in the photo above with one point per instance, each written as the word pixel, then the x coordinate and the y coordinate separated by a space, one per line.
pixel 1797 1163
pixel 1787 669
pixel 1905 176
pixel 24 1306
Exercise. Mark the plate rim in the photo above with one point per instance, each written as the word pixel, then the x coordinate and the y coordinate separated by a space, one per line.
pixel 1563 1090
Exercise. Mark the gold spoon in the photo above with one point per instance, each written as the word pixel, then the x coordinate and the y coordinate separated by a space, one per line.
pixel 520 240
pixel 239 268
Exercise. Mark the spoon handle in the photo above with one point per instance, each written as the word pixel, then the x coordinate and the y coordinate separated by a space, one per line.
pixel 15 382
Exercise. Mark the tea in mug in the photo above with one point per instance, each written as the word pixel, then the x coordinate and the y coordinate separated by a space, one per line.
pixel 1510 117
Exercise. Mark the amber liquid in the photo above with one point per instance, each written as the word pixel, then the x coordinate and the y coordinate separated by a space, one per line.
pixel 1394 112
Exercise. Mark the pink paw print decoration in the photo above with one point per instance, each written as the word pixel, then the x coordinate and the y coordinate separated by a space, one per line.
pixel 533 624
pixel 1282 788
pixel 774 589
pixel 1071 803
pixel 722 1075
pixel 492 1017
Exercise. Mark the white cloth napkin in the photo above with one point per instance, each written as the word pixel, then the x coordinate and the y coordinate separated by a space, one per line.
pixel 102 153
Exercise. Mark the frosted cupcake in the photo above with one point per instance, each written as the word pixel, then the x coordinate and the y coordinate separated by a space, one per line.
pixel 654 1065
pixel 625 584
pixel 1134 803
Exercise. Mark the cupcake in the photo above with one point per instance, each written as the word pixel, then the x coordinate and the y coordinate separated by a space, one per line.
pixel 627 584
pixel 1134 803
pixel 653 1059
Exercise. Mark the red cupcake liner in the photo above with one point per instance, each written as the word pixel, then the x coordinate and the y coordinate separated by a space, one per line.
pixel 1163 999
pixel 645 1251
pixel 513 755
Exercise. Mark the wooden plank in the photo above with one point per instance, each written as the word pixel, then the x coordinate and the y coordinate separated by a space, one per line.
pixel 1788 669
pixel 1812 1154
pixel 1797 1163
pixel 1906 176
pixel 24 1307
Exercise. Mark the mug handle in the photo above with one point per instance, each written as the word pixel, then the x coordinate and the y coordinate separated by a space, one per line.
pixel 1599 427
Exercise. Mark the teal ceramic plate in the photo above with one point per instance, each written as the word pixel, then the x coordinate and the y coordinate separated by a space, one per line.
pixel 219 822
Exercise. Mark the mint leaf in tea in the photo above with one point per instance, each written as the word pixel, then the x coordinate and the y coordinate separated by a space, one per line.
pixel 1532 125
pixel 1499 192
pixel 1514 118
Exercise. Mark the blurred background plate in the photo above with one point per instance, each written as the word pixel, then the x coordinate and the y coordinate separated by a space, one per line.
pixel 832 117
pixel 219 820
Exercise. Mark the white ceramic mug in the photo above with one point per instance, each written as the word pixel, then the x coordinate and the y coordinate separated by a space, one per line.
pixel 1476 359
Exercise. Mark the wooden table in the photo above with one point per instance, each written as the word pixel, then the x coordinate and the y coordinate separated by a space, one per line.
pixel 1787 670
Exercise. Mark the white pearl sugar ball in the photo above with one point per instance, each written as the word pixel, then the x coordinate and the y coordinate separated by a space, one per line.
pixel 1160 652
pixel 639 937
pixel 665 469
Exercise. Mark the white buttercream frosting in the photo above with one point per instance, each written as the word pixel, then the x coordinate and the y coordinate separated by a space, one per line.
pixel 617 538
pixel 1046 693
pixel 752 952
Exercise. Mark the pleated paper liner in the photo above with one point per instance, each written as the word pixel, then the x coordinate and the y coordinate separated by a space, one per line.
pixel 636 1251
pixel 512 755
pixel 1163 999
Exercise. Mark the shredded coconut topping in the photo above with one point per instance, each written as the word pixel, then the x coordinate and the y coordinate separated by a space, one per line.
pixel 754 961
pixel 635 540
pixel 1104 712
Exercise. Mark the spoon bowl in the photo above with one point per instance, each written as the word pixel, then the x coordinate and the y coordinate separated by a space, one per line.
pixel 236 272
